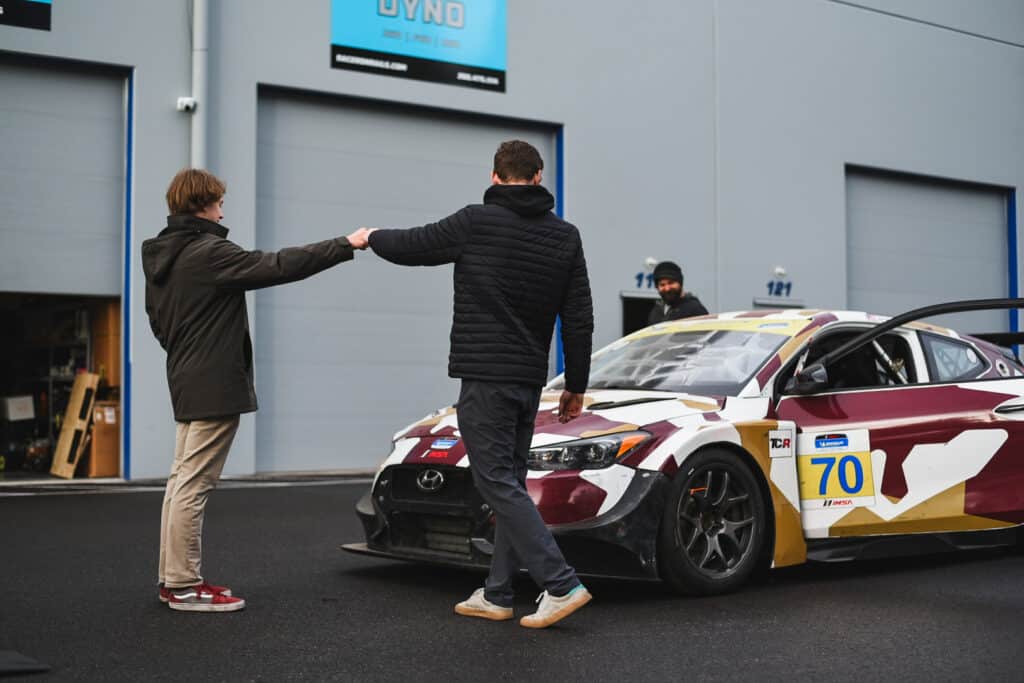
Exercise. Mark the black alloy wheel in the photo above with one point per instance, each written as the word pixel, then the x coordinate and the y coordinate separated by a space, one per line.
pixel 714 526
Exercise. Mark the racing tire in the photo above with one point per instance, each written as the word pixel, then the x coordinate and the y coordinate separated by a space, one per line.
pixel 714 527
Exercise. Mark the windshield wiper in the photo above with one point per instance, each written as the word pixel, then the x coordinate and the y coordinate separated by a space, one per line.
pixel 604 405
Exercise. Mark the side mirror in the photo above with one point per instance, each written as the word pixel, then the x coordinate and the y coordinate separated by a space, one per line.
pixel 810 380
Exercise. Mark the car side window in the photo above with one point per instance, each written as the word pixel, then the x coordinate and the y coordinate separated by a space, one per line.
pixel 950 360
pixel 866 367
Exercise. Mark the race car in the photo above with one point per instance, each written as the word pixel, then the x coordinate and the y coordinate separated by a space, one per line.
pixel 712 447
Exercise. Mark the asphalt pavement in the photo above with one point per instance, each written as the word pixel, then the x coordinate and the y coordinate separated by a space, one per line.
pixel 79 594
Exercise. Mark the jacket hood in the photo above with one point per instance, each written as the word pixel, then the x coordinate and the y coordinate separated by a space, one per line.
pixel 526 200
pixel 159 253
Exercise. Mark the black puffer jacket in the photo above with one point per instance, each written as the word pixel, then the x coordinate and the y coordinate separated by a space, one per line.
pixel 195 297
pixel 686 307
pixel 517 266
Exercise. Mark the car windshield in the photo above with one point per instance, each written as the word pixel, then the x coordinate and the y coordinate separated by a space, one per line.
pixel 718 362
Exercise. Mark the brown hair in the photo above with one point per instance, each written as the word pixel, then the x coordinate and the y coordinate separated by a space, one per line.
pixel 194 189
pixel 517 160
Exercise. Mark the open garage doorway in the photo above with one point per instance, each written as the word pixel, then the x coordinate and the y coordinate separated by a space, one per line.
pixel 49 346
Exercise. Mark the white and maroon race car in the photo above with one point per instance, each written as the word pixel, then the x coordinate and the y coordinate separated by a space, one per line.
pixel 712 446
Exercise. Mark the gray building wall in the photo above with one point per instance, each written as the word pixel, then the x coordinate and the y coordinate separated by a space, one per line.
pixel 714 132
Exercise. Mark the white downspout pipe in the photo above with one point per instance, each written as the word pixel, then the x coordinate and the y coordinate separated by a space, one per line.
pixel 200 52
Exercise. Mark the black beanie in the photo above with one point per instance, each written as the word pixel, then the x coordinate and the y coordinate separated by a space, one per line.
pixel 668 269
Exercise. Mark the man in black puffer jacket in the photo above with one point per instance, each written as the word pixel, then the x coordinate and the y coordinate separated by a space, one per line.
pixel 196 280
pixel 675 302
pixel 517 267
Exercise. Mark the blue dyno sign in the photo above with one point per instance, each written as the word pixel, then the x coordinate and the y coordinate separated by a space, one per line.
pixel 457 42
pixel 26 13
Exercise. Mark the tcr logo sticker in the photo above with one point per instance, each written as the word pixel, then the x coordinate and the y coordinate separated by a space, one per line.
pixel 780 443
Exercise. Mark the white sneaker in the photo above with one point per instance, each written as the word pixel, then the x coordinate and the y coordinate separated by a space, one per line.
pixel 554 609
pixel 476 605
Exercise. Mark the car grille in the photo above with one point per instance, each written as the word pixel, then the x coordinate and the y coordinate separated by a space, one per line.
pixel 448 535
pixel 456 488
pixel 442 521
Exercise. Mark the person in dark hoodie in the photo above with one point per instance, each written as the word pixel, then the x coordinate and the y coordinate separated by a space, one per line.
pixel 195 298
pixel 675 301
pixel 517 267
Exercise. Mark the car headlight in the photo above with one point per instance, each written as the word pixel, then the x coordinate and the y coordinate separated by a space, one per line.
pixel 585 454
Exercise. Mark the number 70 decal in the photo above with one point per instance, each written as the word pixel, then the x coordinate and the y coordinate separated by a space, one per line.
pixel 840 479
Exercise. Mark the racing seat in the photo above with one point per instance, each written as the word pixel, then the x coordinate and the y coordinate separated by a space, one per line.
pixel 855 371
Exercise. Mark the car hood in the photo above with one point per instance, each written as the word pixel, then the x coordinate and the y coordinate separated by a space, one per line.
pixel 605 411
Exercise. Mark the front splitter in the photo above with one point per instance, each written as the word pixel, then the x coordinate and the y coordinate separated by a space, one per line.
pixel 428 558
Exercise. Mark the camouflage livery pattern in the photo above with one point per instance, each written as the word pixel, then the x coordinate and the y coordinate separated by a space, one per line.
pixel 942 458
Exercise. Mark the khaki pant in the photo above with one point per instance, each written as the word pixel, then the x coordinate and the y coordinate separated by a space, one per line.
pixel 200 450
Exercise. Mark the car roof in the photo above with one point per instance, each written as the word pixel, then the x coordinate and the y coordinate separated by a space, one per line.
pixel 788 322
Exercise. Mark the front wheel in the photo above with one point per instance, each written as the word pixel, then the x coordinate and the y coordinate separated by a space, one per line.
pixel 714 526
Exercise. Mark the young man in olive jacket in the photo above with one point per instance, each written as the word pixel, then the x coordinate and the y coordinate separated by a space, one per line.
pixel 195 298
pixel 517 267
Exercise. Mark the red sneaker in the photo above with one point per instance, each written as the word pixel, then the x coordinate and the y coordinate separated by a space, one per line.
pixel 165 593
pixel 200 598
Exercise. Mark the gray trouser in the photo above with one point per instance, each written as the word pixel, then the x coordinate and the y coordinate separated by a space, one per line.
pixel 200 450
pixel 496 423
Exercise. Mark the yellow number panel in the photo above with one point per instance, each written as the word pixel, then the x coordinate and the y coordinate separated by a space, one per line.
pixel 835 470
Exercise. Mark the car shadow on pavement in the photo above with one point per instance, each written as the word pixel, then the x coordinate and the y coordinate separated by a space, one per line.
pixel 826 572
pixel 457 579
pixel 613 591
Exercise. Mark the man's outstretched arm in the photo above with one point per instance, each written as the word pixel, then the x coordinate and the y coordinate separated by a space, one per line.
pixel 233 267
pixel 430 245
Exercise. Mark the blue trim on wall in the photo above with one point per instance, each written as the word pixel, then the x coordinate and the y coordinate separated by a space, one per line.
pixel 560 210
pixel 126 287
pixel 1011 243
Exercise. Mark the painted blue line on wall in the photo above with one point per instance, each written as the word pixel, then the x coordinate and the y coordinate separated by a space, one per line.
pixel 126 288
pixel 560 210
pixel 1011 243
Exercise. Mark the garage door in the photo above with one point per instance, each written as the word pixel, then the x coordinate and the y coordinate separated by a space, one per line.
pixel 345 359
pixel 61 179
pixel 913 242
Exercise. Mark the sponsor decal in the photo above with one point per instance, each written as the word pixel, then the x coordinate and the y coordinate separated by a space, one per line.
pixel 443 444
pixel 780 443
pixel 456 42
pixel 831 441
pixel 26 13
pixel 837 503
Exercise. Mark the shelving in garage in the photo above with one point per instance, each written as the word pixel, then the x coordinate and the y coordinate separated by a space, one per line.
pixel 45 341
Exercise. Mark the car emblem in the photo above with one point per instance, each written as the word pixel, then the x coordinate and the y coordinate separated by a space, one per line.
pixel 429 481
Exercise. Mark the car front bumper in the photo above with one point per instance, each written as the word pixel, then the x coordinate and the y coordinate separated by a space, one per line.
pixel 457 529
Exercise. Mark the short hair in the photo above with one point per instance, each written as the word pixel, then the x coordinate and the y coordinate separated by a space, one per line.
pixel 517 160
pixel 192 190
